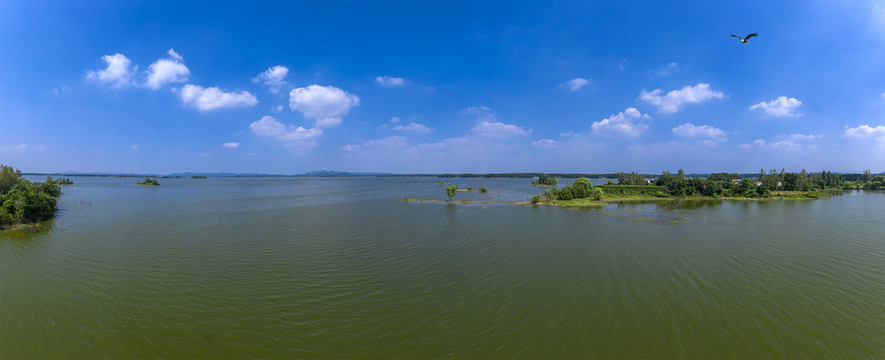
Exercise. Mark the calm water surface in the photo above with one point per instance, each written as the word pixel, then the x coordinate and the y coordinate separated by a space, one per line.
pixel 342 268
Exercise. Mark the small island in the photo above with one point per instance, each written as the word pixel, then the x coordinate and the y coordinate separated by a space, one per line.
pixel 545 180
pixel 198 177
pixel 24 204
pixel 148 182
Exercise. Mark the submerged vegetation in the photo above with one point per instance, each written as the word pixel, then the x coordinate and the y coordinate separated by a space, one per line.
pixel 24 202
pixel 148 182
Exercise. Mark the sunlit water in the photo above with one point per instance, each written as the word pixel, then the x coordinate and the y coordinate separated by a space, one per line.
pixel 343 268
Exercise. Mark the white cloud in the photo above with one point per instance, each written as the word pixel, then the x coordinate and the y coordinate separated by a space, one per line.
pixel 325 104
pixel 274 77
pixel 60 90
pixel 351 147
pixel 865 131
pixel 133 147
pixel 119 71
pixel 476 110
pixel 390 80
pixel 212 98
pixel 489 127
pixel 166 71
pixel 666 69
pixel 780 144
pixel 268 126
pixel 174 55
pixel 23 147
pixel 276 109
pixel 413 127
pixel 543 143
pixel 621 124
pixel 231 145
pixel 785 142
pixel 674 100
pixel 802 137
pixel 394 119
pixel 704 131
pixel 623 64
pixel 575 84
pixel 780 107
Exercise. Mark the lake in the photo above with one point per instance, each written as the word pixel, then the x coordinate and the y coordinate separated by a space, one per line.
pixel 343 268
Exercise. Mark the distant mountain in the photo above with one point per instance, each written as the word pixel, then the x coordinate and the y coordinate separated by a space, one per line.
pixel 222 174
pixel 330 173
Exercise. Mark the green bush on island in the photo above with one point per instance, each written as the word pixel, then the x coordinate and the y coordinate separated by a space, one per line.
pixel 483 190
pixel 544 180
pixel 198 177
pixel 149 182
pixel 451 191
pixel 25 202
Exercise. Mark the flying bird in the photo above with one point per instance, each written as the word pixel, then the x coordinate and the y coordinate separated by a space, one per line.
pixel 744 40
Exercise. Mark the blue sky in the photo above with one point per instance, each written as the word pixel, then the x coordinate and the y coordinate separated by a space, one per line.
pixel 433 87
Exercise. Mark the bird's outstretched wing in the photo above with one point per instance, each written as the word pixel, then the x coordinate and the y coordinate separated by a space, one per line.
pixel 751 35
pixel 735 36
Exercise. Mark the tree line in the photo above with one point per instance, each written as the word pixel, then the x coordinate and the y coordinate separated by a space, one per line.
pixel 26 202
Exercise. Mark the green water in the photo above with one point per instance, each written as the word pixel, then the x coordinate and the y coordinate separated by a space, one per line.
pixel 342 268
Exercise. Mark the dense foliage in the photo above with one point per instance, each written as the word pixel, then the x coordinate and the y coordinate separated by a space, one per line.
pixel 24 202
pixel 451 191
pixel 631 179
pixel 582 188
pixel 545 180
pixel 730 184
pixel 149 182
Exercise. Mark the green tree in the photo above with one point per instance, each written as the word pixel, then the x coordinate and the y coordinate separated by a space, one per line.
pixel 581 188
pixel 451 191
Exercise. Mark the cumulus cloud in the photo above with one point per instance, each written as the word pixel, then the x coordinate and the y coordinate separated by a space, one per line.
pixel 390 81
pixel 325 104
pixel 704 131
pixel 489 127
pixel 270 127
pixel 780 107
pixel 166 71
pixel 866 131
pixel 413 127
pixel 231 145
pixel 575 84
pixel 118 73
pixel 624 123
pixel 674 100
pixel 212 98
pixel 274 77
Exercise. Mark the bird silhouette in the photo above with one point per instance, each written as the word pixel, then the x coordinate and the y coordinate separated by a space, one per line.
pixel 744 40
